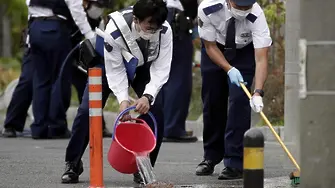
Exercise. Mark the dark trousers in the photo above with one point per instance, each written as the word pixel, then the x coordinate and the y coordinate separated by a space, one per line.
pixel 176 104
pixel 50 44
pixel 21 99
pixel 80 129
pixel 226 109
pixel 79 81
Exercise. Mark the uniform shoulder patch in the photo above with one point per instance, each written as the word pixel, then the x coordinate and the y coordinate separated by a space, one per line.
pixel 251 17
pixel 200 22
pixel 164 29
pixel 116 34
pixel 108 47
pixel 212 9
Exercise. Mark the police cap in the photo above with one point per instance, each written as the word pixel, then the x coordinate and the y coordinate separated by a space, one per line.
pixel 244 3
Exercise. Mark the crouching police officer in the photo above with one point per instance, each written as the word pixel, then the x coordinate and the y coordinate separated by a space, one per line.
pixel 181 16
pixel 50 43
pixel 236 39
pixel 138 41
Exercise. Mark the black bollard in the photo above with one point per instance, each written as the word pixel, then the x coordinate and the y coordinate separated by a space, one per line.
pixel 253 159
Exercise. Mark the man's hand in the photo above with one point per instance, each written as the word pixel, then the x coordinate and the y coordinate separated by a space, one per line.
pixel 256 103
pixel 142 105
pixel 235 76
pixel 124 105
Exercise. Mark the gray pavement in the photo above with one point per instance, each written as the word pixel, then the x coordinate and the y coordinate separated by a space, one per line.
pixel 27 163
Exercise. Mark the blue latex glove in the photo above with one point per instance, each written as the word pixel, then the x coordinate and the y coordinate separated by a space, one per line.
pixel 235 76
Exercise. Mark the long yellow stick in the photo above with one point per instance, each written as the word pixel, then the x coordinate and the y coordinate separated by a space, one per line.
pixel 273 131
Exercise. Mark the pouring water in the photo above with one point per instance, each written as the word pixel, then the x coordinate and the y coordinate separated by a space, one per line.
pixel 145 169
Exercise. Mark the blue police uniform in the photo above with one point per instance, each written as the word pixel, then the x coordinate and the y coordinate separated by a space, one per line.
pixel 16 114
pixel 145 67
pixel 226 110
pixel 176 106
pixel 50 42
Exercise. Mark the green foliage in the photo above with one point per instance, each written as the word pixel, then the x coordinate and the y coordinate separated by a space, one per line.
pixel 17 12
pixel 274 11
pixel 8 71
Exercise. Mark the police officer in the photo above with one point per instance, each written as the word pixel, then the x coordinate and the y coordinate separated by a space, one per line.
pixel 94 10
pixel 181 16
pixel 50 42
pixel 16 113
pixel 137 41
pixel 236 39
pixel 19 104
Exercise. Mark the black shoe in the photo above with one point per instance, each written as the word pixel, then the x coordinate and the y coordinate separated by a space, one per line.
pixel 106 133
pixel 205 168
pixel 182 139
pixel 72 172
pixel 230 174
pixel 8 133
pixel 137 178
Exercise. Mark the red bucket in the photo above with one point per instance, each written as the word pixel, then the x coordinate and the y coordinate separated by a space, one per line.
pixel 130 139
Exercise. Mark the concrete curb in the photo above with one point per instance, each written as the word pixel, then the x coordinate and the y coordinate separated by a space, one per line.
pixel 195 126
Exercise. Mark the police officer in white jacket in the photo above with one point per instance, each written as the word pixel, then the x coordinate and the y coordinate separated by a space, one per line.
pixel 236 39
pixel 74 76
pixel 137 51
pixel 49 37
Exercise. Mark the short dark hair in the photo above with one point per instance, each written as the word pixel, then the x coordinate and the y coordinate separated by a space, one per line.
pixel 156 9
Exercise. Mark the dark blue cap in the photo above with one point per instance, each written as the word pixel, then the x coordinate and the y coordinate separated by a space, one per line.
pixel 244 3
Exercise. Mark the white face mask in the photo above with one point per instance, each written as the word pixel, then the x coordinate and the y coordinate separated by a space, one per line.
pixel 144 35
pixel 239 14
pixel 95 12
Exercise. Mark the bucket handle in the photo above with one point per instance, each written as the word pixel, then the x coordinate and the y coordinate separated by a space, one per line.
pixel 129 109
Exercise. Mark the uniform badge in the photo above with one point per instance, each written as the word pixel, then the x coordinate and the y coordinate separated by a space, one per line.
pixel 246 35
pixel 200 22
pixel 108 47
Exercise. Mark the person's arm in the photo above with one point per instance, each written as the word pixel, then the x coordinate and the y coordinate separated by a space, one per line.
pixel 207 33
pixel 115 70
pixel 261 55
pixel 160 68
pixel 79 16
pixel 262 41
pixel 216 55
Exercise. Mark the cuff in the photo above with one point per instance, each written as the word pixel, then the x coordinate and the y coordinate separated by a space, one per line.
pixel 89 34
pixel 151 91
pixel 122 96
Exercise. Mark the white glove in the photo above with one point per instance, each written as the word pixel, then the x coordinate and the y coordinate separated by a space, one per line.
pixel 256 103
pixel 92 37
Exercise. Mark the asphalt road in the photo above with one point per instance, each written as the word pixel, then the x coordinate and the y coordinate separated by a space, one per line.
pixel 27 163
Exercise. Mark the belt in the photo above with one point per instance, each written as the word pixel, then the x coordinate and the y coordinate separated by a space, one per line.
pixel 47 18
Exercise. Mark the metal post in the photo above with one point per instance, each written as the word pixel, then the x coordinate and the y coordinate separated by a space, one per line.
pixel 317 104
pixel 253 159
pixel 95 105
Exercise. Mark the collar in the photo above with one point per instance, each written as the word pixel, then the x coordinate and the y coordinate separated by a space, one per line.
pixel 227 12
pixel 134 33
